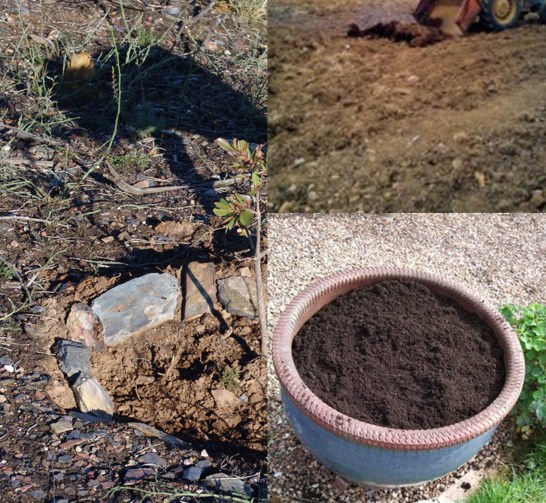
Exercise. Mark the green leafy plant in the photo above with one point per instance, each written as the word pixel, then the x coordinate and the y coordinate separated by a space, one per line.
pixel 242 211
pixel 7 271
pixel 530 325
pixel 230 379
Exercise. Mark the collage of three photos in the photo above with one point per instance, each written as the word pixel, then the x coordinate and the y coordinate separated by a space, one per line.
pixel 273 251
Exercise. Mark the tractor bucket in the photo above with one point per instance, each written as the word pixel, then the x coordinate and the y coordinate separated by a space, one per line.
pixel 451 16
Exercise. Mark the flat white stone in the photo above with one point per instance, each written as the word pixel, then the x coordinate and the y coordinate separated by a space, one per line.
pixel 136 306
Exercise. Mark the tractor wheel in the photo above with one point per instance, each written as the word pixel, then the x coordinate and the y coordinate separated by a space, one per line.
pixel 499 15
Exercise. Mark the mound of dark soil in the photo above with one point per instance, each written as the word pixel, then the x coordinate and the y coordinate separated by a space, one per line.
pixel 414 34
pixel 398 355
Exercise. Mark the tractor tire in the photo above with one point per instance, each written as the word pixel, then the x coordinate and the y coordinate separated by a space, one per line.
pixel 499 15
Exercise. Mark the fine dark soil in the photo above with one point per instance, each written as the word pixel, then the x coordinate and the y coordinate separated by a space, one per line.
pixel 398 355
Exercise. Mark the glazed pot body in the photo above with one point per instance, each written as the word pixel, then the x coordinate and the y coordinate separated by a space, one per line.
pixel 372 466
pixel 374 455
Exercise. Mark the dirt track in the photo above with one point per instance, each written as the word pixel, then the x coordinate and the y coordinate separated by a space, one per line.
pixel 370 125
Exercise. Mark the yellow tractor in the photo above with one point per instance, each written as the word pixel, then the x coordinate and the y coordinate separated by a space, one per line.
pixel 454 16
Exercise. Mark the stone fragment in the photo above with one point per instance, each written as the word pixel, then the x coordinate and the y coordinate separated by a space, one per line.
pixel 6 360
pixel 225 399
pixel 538 198
pixel 62 425
pixel 150 431
pixel 81 325
pixel 136 474
pixel 65 459
pixel 200 291
pixel 38 494
pixel 73 357
pixel 238 295
pixel 151 458
pixel 193 473
pixel 90 418
pixel 136 306
pixel 92 397
pixel 60 394
pixel 226 484
pixel 463 488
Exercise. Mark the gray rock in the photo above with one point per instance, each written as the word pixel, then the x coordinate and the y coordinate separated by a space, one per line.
pixel 136 306
pixel 62 425
pixel 151 458
pixel 193 473
pixel 204 463
pixel 92 397
pixel 73 357
pixel 226 484
pixel 238 295
pixel 5 360
pixel 65 459
pixel 90 418
pixel 200 291
pixel 38 494
pixel 81 325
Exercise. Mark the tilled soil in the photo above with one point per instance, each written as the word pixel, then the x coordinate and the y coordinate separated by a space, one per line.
pixel 377 126
pixel 398 355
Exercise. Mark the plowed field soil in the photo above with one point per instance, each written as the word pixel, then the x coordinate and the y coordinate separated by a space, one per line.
pixel 378 126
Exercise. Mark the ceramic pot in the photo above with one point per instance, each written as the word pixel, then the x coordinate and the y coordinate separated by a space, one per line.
pixel 374 455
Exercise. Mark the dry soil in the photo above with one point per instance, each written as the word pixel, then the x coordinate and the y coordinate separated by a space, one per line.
pixel 378 126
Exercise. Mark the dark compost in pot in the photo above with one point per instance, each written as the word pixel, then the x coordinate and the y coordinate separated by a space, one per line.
pixel 399 355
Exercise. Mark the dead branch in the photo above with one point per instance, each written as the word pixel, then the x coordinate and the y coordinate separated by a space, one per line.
pixel 25 135
pixel 30 219
pixel 125 187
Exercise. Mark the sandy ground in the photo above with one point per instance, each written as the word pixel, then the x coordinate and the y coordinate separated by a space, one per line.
pixel 500 257
pixel 377 126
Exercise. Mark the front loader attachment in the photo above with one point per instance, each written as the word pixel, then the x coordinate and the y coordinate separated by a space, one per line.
pixel 451 16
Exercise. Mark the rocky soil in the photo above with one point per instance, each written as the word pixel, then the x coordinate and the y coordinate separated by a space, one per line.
pixel 378 126
pixel 70 231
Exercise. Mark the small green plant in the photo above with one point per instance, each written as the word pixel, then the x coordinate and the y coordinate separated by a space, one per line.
pixel 129 163
pixel 241 211
pixel 7 271
pixel 230 379
pixel 530 325
pixel 238 210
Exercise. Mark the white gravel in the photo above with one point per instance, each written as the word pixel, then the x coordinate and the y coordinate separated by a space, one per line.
pixel 500 257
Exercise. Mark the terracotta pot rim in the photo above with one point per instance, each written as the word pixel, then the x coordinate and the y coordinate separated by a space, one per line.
pixel 323 291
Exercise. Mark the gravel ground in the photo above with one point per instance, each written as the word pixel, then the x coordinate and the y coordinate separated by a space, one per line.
pixel 499 257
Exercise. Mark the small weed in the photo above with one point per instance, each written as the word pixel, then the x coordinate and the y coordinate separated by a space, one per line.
pixel 254 11
pixel 147 120
pixel 129 163
pixel 230 379
pixel 7 271
pixel 530 325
